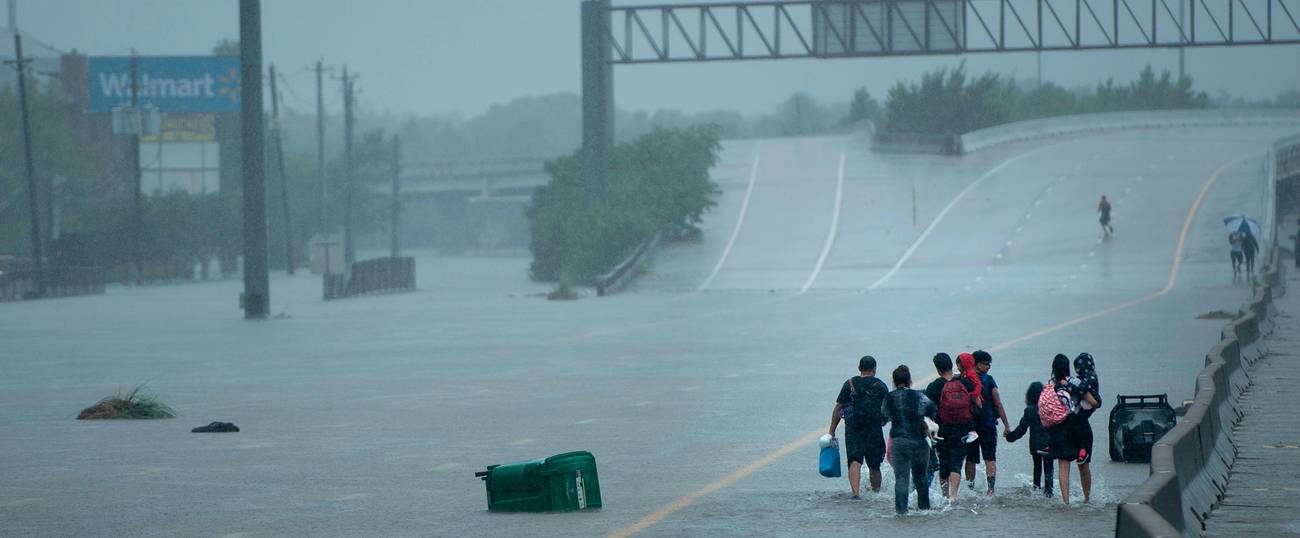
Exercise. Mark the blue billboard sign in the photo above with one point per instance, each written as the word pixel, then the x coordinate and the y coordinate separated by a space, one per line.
pixel 171 83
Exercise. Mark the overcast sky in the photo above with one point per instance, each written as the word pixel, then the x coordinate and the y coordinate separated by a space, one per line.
pixel 462 56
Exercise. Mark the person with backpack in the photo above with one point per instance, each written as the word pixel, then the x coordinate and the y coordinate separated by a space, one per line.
pixel 1087 390
pixel 958 402
pixel 1032 424
pixel 986 424
pixel 1057 408
pixel 934 391
pixel 858 405
pixel 906 410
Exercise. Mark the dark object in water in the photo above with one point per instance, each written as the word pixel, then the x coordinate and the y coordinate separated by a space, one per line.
pixel 1137 423
pixel 1217 314
pixel 216 427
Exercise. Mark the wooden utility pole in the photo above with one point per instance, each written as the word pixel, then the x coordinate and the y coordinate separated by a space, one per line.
pixel 278 134
pixel 395 239
pixel 38 259
pixel 349 250
pixel 320 148
pixel 137 182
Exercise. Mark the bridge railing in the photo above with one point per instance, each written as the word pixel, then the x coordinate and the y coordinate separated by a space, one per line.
pixel 59 282
pixel 1115 121
pixel 1190 464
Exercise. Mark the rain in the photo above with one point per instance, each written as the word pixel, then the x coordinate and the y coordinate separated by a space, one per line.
pixel 603 267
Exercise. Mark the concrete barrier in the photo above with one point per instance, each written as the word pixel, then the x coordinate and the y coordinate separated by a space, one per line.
pixel 1191 463
pixel 379 275
pixel 624 273
pixel 1116 121
pixel 59 282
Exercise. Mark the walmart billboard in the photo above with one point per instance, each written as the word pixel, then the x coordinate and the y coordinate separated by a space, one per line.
pixel 171 83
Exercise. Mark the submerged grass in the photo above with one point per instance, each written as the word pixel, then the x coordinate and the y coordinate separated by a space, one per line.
pixel 130 405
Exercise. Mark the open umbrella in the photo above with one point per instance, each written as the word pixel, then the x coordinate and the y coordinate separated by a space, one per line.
pixel 1241 223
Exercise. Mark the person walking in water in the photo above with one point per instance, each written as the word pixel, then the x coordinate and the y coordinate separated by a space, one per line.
pixel 986 425
pixel 1104 208
pixel 1087 389
pixel 906 410
pixel 1249 247
pixel 1038 446
pixel 1235 254
pixel 859 404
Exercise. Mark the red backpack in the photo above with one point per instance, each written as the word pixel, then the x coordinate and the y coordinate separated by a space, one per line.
pixel 955 403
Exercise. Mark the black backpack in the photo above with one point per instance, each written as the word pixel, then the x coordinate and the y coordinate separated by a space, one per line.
pixel 866 403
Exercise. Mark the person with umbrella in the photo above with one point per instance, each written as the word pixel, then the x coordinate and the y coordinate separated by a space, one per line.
pixel 1242 234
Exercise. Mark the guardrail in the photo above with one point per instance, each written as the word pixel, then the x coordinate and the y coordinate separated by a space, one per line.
pixel 59 282
pixel 1112 121
pixel 916 143
pixel 623 273
pixel 1191 463
pixel 371 276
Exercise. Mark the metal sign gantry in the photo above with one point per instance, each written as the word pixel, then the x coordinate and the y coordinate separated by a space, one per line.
pixel 771 30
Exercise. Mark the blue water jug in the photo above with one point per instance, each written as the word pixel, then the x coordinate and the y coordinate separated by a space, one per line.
pixel 829 466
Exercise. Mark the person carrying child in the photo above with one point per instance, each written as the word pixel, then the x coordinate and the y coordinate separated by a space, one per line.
pixel 1038 439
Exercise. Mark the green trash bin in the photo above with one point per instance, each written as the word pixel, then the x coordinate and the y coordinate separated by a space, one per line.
pixel 560 483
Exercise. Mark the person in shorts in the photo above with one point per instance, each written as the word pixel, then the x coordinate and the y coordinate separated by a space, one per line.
pixel 986 425
pixel 864 441
pixel 1235 253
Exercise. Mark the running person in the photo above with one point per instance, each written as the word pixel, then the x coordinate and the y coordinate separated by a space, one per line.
pixel 1104 208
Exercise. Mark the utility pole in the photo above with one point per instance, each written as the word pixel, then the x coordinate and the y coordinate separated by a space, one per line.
pixel 349 250
pixel 256 298
pixel 1182 51
pixel 37 258
pixel 137 186
pixel 395 240
pixel 278 133
pixel 320 147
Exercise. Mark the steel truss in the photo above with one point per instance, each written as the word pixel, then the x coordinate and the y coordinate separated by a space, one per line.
pixel 858 28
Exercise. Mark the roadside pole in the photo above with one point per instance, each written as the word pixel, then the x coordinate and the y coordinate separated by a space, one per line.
pixel 37 254
pixel 257 293
pixel 349 252
pixel 320 148
pixel 137 197
pixel 395 239
pixel 278 134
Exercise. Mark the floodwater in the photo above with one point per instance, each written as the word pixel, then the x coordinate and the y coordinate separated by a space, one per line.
pixel 370 416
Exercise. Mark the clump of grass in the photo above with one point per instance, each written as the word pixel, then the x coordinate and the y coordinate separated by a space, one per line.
pixel 129 405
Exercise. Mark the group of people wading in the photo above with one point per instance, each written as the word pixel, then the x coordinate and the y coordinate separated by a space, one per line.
pixel 951 426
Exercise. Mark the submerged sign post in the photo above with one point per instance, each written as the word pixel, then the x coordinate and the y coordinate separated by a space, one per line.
pixel 171 83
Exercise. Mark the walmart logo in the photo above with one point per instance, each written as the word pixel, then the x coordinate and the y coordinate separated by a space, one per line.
pixel 229 87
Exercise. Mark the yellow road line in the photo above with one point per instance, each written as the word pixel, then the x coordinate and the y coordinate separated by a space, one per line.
pixel 690 498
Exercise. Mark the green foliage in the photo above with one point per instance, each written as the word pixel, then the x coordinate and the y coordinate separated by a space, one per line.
pixel 863 107
pixel 947 102
pixel 658 182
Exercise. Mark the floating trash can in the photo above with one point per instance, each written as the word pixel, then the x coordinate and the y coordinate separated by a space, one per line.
pixel 560 483
pixel 1136 423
